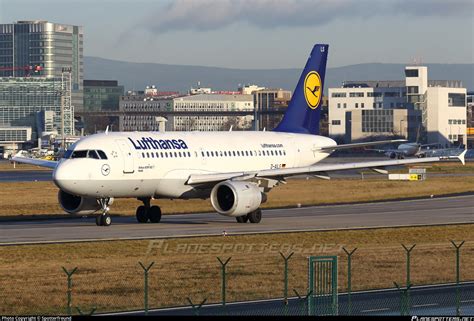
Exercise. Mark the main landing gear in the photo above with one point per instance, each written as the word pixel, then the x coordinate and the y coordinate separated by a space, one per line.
pixel 104 219
pixel 147 213
pixel 252 217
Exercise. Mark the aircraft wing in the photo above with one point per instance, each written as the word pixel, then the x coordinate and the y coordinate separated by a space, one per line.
pixel 357 145
pixel 314 169
pixel 34 161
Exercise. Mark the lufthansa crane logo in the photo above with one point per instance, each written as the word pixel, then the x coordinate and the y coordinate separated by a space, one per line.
pixel 312 89
pixel 105 169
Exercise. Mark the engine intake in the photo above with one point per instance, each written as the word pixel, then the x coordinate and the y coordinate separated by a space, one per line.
pixel 231 198
pixel 73 204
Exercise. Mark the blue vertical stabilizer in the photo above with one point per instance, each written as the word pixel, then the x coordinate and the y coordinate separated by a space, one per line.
pixel 304 110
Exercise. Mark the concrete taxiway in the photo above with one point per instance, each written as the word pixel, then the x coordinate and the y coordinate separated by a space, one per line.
pixel 447 210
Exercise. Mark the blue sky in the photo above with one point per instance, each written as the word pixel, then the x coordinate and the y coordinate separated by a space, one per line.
pixel 263 33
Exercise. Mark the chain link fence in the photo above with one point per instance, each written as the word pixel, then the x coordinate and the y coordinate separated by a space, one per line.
pixel 238 279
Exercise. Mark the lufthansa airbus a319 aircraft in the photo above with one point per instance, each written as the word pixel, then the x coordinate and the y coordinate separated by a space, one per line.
pixel 234 169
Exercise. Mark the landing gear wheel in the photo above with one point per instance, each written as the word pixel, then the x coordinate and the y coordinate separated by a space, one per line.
pixel 242 219
pixel 154 214
pixel 255 216
pixel 141 214
pixel 106 220
pixel 98 220
pixel 103 220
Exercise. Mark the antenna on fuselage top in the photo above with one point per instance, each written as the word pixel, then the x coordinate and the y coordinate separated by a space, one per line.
pixel 231 126
pixel 107 130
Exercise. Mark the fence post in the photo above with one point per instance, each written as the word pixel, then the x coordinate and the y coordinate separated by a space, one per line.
pixel 196 307
pixel 304 300
pixel 404 304
pixel 408 251
pixel 145 271
pixel 224 281
pixel 408 280
pixel 349 278
pixel 285 277
pixel 458 298
pixel 69 288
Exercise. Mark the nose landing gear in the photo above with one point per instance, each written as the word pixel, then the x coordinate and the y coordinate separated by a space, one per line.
pixel 104 219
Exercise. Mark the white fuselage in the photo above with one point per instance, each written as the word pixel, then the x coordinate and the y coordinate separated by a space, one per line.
pixel 153 164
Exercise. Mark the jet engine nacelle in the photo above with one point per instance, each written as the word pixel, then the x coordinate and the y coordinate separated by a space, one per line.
pixel 73 204
pixel 234 198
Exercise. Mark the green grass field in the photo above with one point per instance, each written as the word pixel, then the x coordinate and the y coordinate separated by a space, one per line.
pixel 110 278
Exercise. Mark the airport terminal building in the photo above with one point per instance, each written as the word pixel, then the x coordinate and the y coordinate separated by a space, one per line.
pixel 209 103
pixel 139 106
pixel 434 111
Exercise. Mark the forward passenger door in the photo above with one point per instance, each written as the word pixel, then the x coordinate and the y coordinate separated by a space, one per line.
pixel 127 156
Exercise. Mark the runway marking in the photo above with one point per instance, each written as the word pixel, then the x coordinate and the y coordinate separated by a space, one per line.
pixel 375 310
pixel 425 305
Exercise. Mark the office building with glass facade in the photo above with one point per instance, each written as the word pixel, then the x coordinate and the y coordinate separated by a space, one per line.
pixel 23 98
pixel 102 95
pixel 45 47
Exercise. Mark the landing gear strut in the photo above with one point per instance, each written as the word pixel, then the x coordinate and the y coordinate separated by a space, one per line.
pixel 147 213
pixel 252 217
pixel 104 219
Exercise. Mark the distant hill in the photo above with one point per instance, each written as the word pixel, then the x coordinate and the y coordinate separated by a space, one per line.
pixel 179 77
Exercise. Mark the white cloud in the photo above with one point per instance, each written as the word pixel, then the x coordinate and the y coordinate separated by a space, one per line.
pixel 203 15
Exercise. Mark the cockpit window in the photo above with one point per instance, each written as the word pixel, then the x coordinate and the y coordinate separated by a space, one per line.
pixel 102 154
pixel 92 154
pixel 79 154
pixel 67 153
pixel 95 154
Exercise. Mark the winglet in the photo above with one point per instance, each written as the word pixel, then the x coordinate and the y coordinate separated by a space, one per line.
pixel 462 157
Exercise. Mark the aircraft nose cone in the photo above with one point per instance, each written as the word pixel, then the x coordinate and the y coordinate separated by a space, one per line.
pixel 63 177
